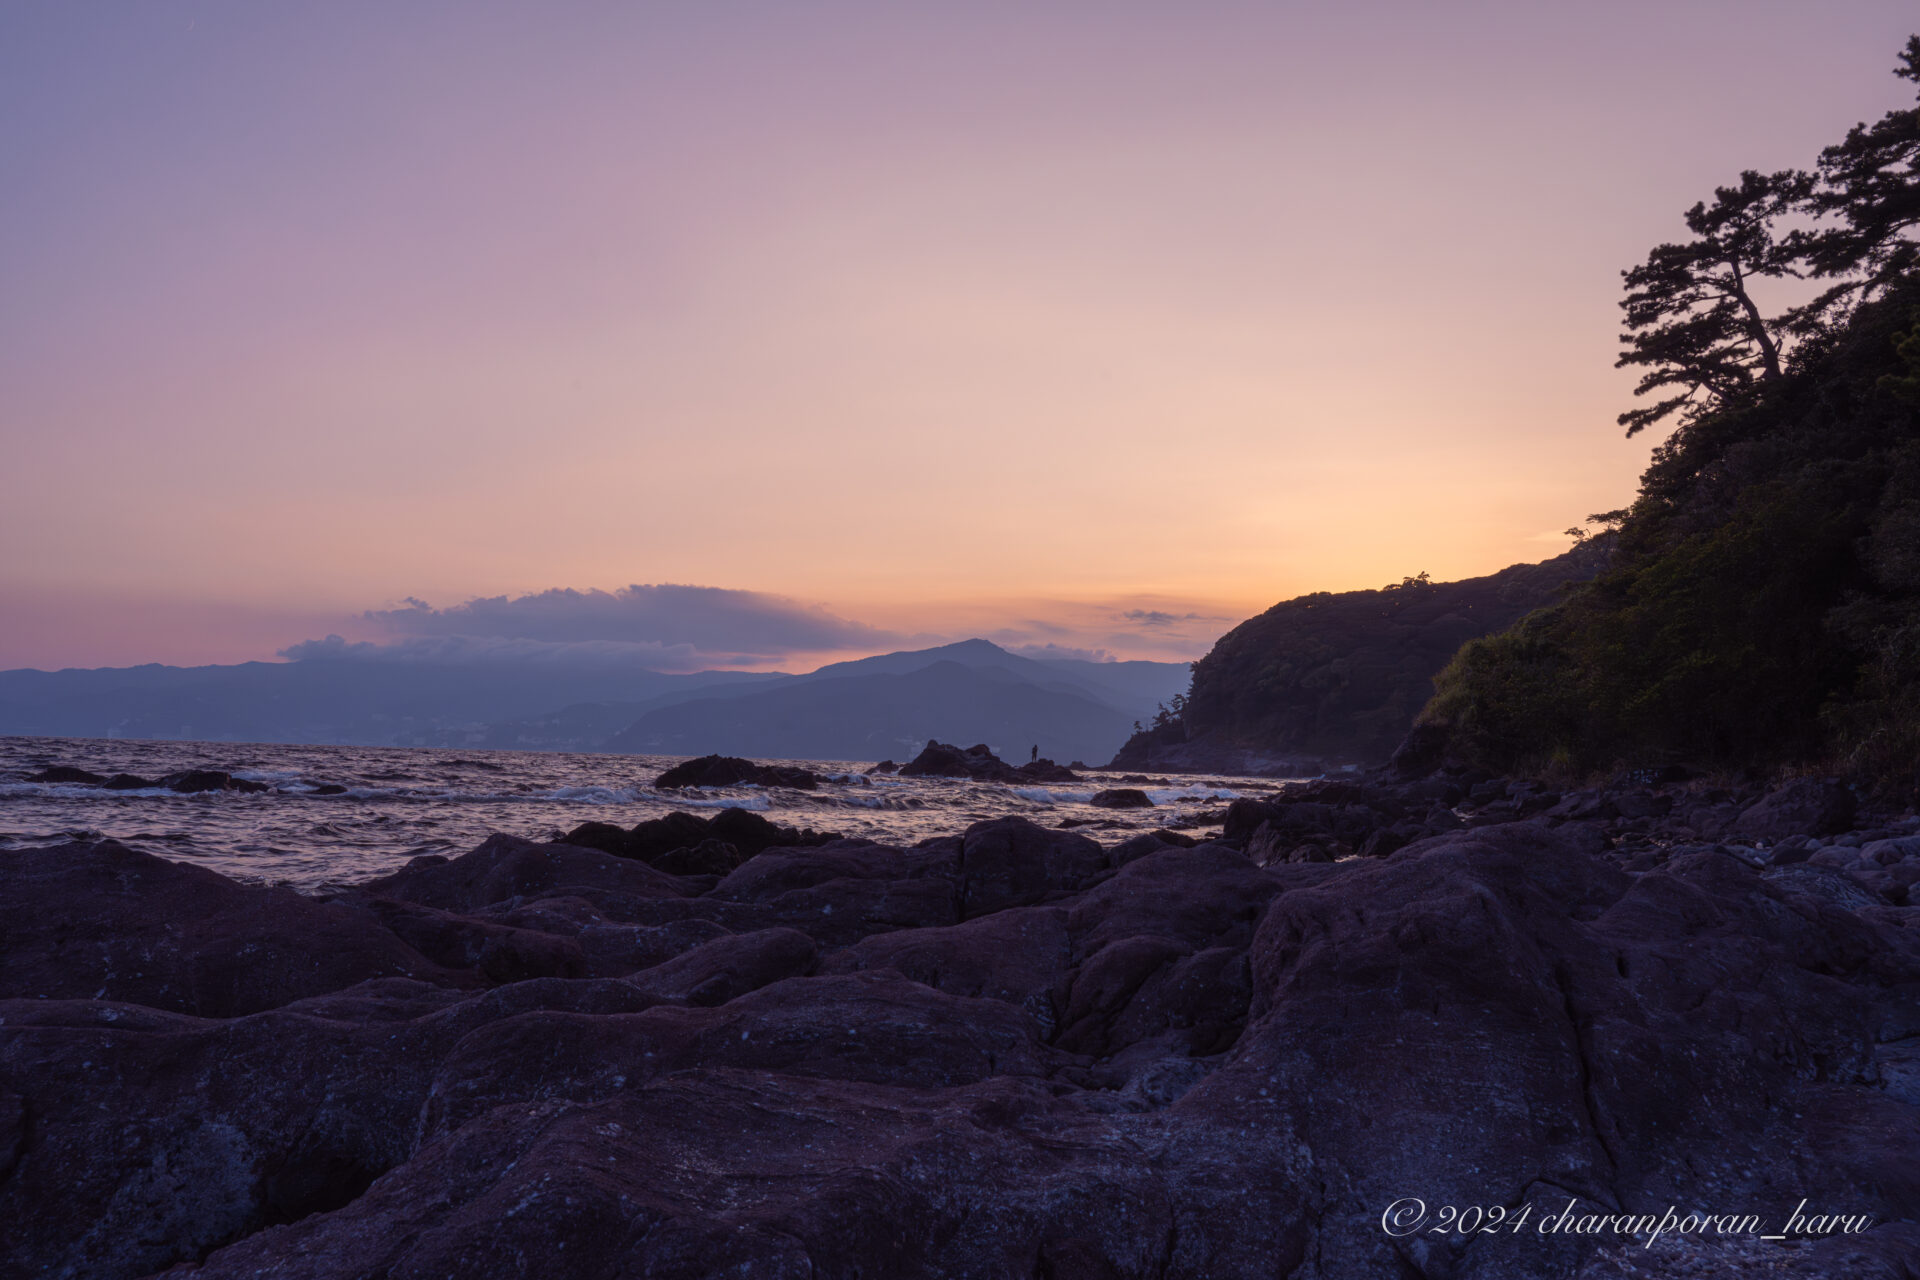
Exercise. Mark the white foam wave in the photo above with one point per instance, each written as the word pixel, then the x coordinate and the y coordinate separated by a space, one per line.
pixel 759 804
pixel 1049 795
pixel 81 791
pixel 593 795
pixel 894 803
pixel 1169 795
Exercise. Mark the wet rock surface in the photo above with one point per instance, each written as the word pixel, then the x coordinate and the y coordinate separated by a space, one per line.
pixel 674 843
pixel 943 760
pixel 707 1047
pixel 732 771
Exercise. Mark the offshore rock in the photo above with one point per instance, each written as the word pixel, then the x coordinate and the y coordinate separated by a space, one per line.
pixel 68 774
pixel 942 760
pixel 732 771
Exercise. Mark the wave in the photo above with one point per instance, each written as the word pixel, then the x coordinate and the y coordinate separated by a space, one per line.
pixel 590 795
pixel 759 804
pixel 1172 795
pixel 1051 795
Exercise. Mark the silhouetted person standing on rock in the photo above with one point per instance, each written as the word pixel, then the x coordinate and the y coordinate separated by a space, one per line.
pixel 1035 757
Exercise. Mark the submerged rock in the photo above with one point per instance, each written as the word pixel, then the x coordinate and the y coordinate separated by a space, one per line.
pixel 194 781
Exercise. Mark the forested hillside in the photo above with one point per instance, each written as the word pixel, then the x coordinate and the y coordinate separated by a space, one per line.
pixel 1763 606
pixel 1337 677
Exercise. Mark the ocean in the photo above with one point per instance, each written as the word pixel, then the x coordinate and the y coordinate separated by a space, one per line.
pixel 403 801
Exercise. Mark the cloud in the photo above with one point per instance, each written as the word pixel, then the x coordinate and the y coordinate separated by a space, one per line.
pixel 710 619
pixel 1051 650
pixel 611 655
pixel 1160 618
pixel 664 626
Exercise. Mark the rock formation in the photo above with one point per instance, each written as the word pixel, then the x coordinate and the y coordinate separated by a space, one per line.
pixel 941 760
pixel 1011 1051
pixel 732 771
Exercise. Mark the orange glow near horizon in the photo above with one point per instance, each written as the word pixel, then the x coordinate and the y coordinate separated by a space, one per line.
pixel 973 322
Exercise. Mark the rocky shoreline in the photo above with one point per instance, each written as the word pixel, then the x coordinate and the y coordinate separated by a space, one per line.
pixel 1013 1051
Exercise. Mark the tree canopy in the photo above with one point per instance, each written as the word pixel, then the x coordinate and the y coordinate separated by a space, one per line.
pixel 1693 323
pixel 1761 606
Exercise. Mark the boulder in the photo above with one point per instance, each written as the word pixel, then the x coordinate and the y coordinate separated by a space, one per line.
pixel 675 841
pixel 1147 842
pixel 708 858
pixel 1640 804
pixel 505 867
pixel 751 833
pixel 500 953
pixel 875 1027
pixel 732 771
pixel 1805 807
pixel 784 870
pixel 820 1176
pixel 1202 897
pixel 1021 956
pixel 614 949
pixel 1421 752
pixel 1121 798
pixel 104 921
pixel 1151 990
pixel 717 971
pixel 608 838
pixel 154 1138
pixel 648 840
pixel 1010 862
pixel 1387 840
pixel 1666 1033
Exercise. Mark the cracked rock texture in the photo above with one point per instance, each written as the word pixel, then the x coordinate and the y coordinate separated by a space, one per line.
pixel 1014 1052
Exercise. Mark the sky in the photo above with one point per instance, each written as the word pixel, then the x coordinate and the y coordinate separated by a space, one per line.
pixel 766 333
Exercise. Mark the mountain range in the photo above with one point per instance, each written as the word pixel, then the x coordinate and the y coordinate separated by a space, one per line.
pixel 887 705
pixel 892 704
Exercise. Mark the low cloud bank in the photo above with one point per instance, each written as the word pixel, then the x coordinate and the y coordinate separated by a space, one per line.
pixel 482 650
pixel 669 627
pixel 664 626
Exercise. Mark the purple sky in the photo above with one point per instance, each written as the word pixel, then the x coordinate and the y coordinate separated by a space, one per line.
pixel 1101 326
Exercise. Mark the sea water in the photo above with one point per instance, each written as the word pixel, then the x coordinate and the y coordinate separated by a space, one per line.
pixel 404 801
